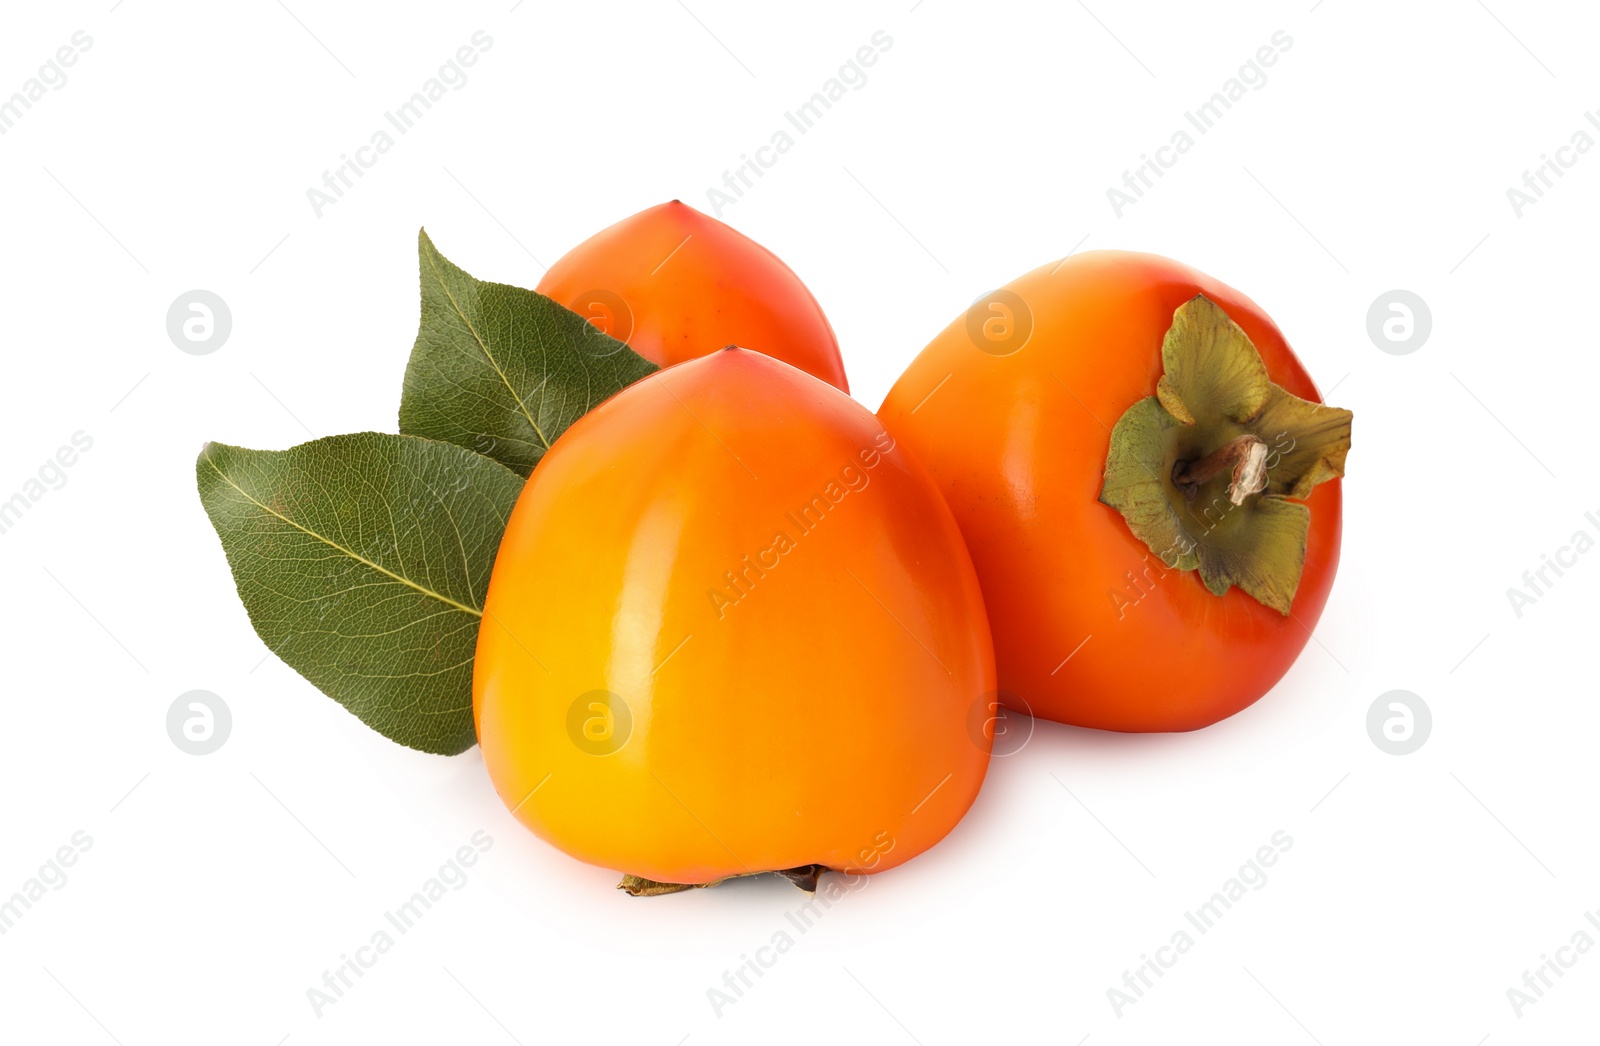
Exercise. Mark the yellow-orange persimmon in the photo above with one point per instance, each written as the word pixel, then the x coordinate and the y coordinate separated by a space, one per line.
pixel 676 284
pixel 1146 480
pixel 733 628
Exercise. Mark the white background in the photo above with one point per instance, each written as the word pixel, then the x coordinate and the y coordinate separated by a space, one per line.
pixel 1376 156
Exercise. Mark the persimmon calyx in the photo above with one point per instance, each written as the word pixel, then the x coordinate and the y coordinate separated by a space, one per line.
pixel 805 877
pixel 1209 472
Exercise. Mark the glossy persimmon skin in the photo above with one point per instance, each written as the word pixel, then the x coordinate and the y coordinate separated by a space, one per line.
pixel 676 284
pixel 1089 626
pixel 823 712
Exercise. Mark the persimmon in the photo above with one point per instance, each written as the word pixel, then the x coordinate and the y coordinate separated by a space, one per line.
pixel 1147 482
pixel 675 284
pixel 733 628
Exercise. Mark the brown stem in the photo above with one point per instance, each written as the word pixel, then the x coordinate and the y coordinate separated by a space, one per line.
pixel 1244 456
pixel 805 877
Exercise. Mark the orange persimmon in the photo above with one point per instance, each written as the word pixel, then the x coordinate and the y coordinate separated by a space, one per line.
pixel 732 628
pixel 1147 482
pixel 675 284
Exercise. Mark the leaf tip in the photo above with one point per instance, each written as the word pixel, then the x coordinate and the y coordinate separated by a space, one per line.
pixel 208 450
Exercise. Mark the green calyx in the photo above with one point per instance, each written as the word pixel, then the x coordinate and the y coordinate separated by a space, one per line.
pixel 1209 470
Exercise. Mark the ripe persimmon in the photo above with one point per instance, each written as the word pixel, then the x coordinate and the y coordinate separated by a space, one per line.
pixel 732 628
pixel 1137 461
pixel 675 284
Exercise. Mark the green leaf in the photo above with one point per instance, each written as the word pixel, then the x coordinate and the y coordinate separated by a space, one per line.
pixel 363 562
pixel 502 370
